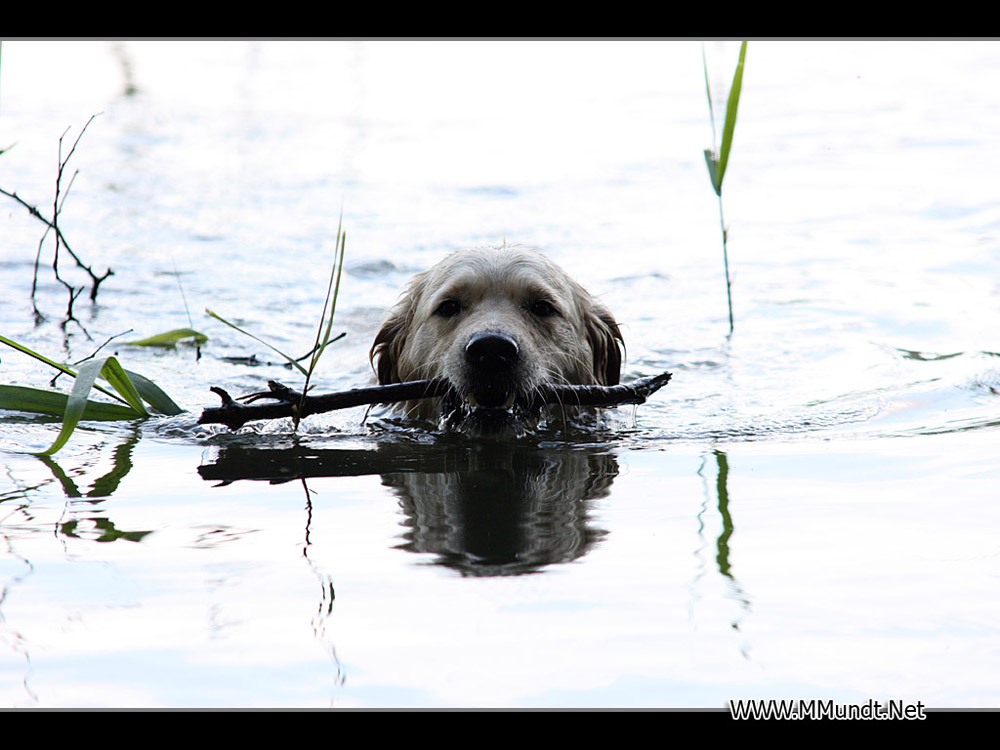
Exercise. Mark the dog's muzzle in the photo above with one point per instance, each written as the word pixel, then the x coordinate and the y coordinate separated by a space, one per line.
pixel 491 365
pixel 489 399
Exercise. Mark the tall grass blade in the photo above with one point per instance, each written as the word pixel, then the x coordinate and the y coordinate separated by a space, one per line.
pixel 730 124
pixel 52 363
pixel 710 158
pixel 717 163
pixel 330 303
pixel 290 360
pixel 40 357
pixel 708 93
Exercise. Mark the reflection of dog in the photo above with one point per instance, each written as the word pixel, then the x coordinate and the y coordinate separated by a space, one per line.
pixel 496 324
pixel 505 508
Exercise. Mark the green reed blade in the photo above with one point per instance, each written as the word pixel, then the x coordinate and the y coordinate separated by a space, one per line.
pixel 730 124
pixel 53 403
pixel 153 395
pixel 76 403
pixel 290 360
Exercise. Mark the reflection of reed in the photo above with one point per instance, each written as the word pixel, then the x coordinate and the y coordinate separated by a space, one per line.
pixel 510 510
pixel 722 550
pixel 324 607
pixel 84 521
pixel 722 492
pixel 105 485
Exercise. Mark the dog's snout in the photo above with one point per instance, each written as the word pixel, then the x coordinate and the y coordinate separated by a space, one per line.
pixel 491 350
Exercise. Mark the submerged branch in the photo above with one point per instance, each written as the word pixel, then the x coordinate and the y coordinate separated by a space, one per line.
pixel 289 403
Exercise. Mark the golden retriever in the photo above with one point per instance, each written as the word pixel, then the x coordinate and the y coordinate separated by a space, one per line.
pixel 496 323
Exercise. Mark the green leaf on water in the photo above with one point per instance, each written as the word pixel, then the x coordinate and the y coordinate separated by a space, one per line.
pixel 153 395
pixel 171 338
pixel 52 363
pixel 77 401
pixel 53 403
pixel 115 374
pixel 129 388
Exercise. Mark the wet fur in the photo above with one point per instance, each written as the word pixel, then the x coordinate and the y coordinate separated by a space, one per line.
pixel 496 323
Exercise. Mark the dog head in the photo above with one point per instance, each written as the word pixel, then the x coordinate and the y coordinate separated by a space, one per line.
pixel 496 323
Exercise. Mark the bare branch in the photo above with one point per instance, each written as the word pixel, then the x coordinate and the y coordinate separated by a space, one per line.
pixel 53 225
pixel 234 414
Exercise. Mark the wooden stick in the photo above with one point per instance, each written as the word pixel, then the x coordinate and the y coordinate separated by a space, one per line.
pixel 234 414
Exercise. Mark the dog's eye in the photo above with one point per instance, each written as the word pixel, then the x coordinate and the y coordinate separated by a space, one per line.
pixel 449 308
pixel 542 308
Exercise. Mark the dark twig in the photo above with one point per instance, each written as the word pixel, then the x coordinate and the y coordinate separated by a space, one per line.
pixel 635 392
pixel 53 225
pixel 234 414
pixel 52 383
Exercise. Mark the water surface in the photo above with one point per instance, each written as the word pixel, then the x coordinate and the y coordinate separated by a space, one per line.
pixel 807 510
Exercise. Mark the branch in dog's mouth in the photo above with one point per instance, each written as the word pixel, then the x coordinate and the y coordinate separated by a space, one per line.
pixel 286 402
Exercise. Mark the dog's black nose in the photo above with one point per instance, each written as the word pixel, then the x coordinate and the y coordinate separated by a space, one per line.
pixel 492 351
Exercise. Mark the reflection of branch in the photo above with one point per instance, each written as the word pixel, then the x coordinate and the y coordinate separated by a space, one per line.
pixel 292 403
pixel 53 225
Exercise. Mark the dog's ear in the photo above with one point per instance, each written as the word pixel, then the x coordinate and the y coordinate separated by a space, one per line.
pixel 385 350
pixel 389 342
pixel 391 338
pixel 607 344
